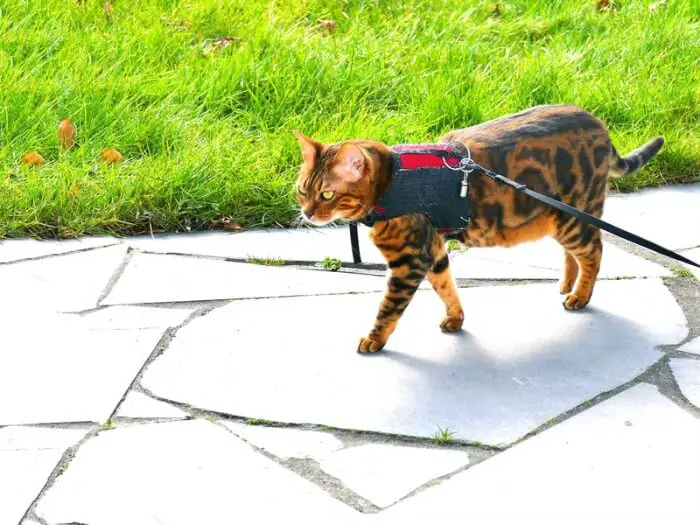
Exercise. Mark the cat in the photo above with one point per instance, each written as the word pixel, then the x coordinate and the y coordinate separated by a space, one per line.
pixel 559 150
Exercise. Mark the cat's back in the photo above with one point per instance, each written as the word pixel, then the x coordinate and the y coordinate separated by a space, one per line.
pixel 534 123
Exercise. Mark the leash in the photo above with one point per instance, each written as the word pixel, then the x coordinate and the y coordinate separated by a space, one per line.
pixel 467 166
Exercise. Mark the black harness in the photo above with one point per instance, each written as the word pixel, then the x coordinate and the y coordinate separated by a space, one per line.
pixel 433 179
pixel 426 179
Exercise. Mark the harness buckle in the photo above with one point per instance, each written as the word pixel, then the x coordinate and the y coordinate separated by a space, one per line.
pixel 466 166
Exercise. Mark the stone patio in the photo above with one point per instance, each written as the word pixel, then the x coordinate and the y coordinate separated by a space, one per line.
pixel 212 378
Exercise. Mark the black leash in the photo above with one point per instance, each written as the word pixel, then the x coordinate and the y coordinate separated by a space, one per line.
pixel 355 243
pixel 469 165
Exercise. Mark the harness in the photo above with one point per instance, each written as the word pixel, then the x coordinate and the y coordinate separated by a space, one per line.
pixel 426 179
pixel 433 179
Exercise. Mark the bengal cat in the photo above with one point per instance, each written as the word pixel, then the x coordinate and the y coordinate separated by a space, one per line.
pixel 559 150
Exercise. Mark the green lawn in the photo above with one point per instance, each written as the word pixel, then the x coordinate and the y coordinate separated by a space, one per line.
pixel 207 135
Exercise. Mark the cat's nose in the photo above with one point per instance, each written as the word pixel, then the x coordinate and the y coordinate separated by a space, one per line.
pixel 309 211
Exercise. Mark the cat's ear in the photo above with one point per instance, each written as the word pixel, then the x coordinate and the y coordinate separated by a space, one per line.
pixel 310 149
pixel 352 160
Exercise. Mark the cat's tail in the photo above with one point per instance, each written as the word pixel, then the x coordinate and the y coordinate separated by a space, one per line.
pixel 621 166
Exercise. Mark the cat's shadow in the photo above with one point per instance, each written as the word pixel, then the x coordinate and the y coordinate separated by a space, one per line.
pixel 495 387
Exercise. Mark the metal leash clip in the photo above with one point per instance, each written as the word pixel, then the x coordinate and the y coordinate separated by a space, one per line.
pixel 466 167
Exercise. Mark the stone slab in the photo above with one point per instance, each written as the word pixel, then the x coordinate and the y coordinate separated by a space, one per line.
pixel 665 215
pixel 473 265
pixel 136 317
pixel 181 473
pixel 65 371
pixel 692 346
pixel 687 374
pixel 172 278
pixel 521 360
pixel 27 458
pixel 544 259
pixel 137 405
pixel 302 244
pixel 632 459
pixel 693 255
pixel 68 283
pixel 383 473
pixel 23 249
pixel 286 443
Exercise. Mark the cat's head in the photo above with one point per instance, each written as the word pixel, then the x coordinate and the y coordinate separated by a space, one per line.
pixel 337 181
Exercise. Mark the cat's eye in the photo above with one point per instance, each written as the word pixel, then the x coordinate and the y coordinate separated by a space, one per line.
pixel 327 195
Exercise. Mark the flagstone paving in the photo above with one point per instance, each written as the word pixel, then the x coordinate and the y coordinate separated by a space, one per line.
pixel 169 381
pixel 522 359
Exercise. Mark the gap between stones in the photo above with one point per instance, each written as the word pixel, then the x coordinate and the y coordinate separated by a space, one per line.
pixel 310 469
pixel 160 347
pixel 59 469
pixel 52 255
pixel 116 275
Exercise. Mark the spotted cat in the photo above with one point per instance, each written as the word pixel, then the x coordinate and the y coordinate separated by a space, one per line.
pixel 559 150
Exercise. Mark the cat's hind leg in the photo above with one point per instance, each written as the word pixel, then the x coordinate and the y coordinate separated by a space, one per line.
pixel 583 243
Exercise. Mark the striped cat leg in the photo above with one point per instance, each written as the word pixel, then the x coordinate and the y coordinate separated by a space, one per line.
pixel 441 279
pixel 570 273
pixel 406 244
pixel 585 245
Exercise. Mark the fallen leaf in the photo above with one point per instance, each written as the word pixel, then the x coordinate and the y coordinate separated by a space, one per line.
pixel 107 8
pixel 603 5
pixel 653 7
pixel 228 224
pixel 74 188
pixel 111 156
pixel 326 25
pixel 33 159
pixel 211 46
pixel 66 134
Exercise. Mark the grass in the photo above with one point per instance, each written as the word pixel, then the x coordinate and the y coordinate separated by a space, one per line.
pixel 266 262
pixel 205 124
pixel 107 425
pixel 680 271
pixel 443 436
pixel 256 421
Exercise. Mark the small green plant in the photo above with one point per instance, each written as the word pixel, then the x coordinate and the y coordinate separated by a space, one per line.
pixel 452 246
pixel 266 262
pixel 443 436
pixel 107 425
pixel 256 421
pixel 331 264
pixel 682 272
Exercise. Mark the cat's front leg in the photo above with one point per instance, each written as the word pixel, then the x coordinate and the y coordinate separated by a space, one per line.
pixel 406 244
pixel 403 284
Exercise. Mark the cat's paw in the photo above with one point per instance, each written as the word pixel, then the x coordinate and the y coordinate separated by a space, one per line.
pixel 566 286
pixel 369 346
pixel 452 324
pixel 574 302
